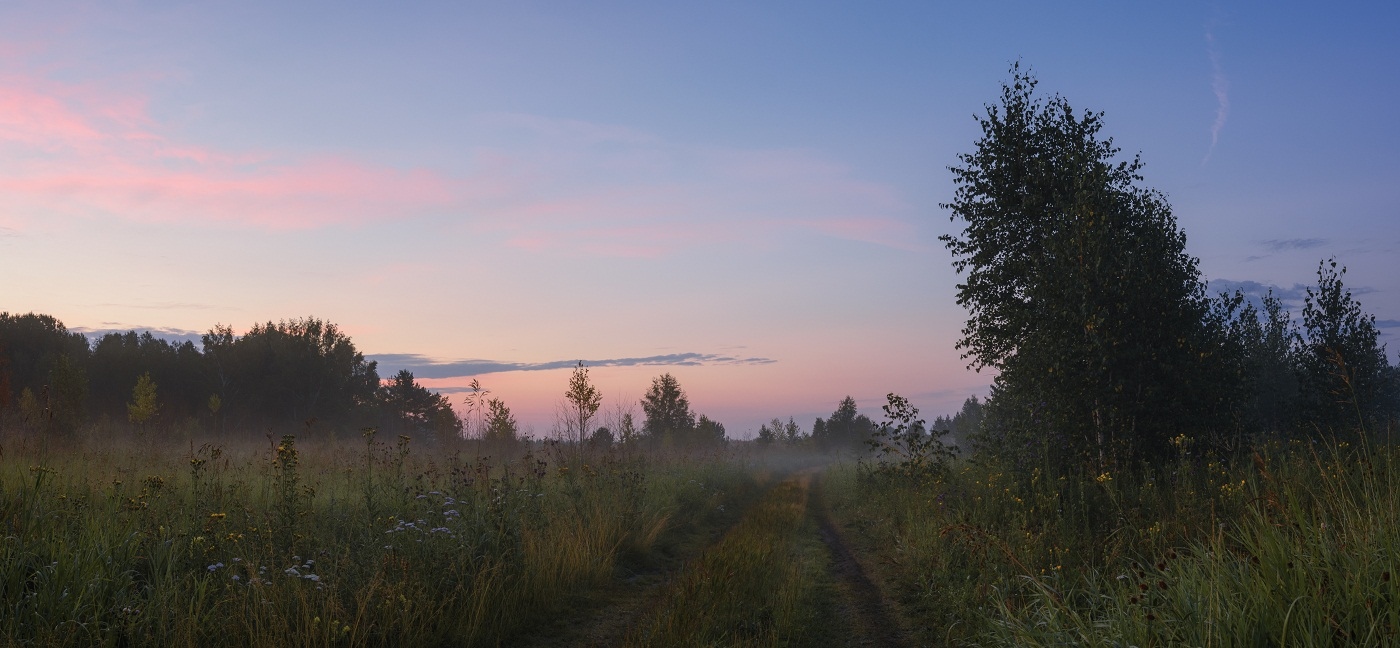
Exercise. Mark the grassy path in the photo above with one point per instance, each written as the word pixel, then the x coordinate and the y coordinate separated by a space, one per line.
pixel 864 609
pixel 782 576
pixel 602 617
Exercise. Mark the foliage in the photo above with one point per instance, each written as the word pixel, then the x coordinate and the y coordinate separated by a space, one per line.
pixel 68 392
pixel 500 427
pixel 1348 379
pixel 1078 287
pixel 1263 343
pixel 409 408
pixel 119 359
pixel 584 400
pixel 31 344
pixel 846 429
pixel 706 433
pixel 903 450
pixel 143 405
pixel 667 410
pixel 287 372
pixel 965 425
pixel 776 430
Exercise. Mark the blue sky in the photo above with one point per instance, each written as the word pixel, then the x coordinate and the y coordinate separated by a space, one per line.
pixel 521 184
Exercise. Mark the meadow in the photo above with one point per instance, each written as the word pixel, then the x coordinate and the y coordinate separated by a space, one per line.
pixel 1290 544
pixel 373 542
pixel 332 543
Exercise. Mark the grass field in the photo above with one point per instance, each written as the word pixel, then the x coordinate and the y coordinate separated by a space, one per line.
pixel 1292 544
pixel 377 542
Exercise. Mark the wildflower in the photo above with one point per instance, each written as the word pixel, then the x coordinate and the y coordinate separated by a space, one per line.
pixel 236 578
pixel 292 571
pixel 215 567
pixel 216 516
pixel 313 578
pixel 1104 477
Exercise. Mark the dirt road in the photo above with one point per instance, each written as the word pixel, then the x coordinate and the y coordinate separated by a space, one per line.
pixel 853 611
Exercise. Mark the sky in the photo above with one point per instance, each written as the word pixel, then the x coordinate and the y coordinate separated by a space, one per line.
pixel 743 194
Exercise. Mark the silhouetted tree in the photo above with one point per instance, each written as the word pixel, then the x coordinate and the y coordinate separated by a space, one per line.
pixel 963 426
pixel 31 345
pixel 500 426
pixel 1078 288
pixel 584 401
pixel 119 359
pixel 1344 368
pixel 68 391
pixel 413 410
pixel 846 429
pixel 707 433
pixel 667 410
pixel 291 371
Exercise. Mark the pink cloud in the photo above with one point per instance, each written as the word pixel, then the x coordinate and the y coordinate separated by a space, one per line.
pixel 559 186
pixel 78 146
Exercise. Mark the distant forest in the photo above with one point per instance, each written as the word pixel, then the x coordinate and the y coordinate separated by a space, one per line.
pixel 288 375
pixel 301 376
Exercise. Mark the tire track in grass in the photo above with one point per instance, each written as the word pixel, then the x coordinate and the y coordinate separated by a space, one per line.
pixel 864 609
pixel 783 576
pixel 758 586
pixel 638 590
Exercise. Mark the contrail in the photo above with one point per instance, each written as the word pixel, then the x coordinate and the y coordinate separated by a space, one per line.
pixel 1221 86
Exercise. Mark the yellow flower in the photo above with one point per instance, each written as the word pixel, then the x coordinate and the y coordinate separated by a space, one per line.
pixel 1104 477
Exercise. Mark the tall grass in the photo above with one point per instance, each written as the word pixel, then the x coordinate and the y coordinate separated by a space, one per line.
pixel 322 544
pixel 1292 545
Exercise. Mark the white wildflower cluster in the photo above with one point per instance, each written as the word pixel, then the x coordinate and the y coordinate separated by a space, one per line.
pixel 304 571
pixel 419 528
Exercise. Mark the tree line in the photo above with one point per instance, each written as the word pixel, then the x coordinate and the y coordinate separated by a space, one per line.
pixel 1108 349
pixel 292 375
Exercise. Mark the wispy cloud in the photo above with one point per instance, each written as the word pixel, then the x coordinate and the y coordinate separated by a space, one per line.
pixel 81 147
pixel 1387 323
pixel 165 305
pixel 1280 245
pixel 424 367
pixel 1254 292
pixel 1292 297
pixel 170 334
pixel 1220 85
